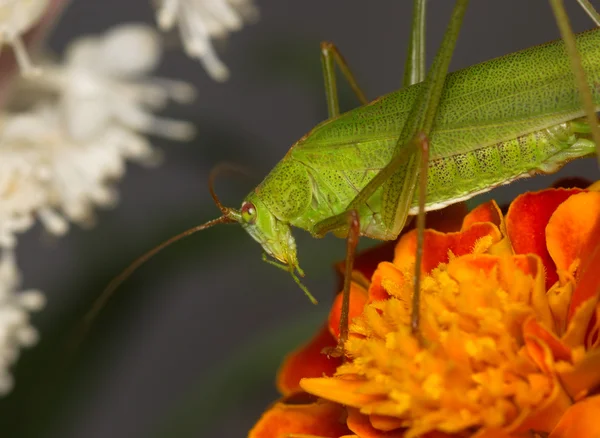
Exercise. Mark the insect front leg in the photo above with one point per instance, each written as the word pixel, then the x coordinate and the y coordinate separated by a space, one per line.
pixel 398 178
pixel 350 220
pixel 330 55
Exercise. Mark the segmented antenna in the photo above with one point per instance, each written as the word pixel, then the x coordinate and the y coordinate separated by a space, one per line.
pixel 230 215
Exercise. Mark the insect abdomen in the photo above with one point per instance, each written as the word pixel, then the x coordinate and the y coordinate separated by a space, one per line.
pixel 463 175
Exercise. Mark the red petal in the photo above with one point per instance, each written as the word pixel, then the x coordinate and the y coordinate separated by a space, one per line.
pixel 445 220
pixel 526 222
pixel 307 361
pixel 488 212
pixel 437 245
pixel 570 227
pixel 301 414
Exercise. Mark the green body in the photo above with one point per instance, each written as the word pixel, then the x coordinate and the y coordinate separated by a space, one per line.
pixel 497 121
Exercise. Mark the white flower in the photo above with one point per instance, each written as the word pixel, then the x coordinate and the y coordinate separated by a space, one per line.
pixel 103 82
pixel 202 20
pixel 60 159
pixel 46 174
pixel 15 328
pixel 17 17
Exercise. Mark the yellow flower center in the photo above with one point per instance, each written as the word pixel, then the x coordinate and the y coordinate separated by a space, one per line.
pixel 469 369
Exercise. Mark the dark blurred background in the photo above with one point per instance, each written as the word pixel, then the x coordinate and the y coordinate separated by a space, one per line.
pixel 190 344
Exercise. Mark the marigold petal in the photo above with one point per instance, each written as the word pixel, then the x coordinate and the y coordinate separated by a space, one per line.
pixel 580 378
pixel 301 414
pixel 468 270
pixel 559 350
pixel 358 299
pixel 577 329
pixel 387 281
pixel 487 212
pixel 570 226
pixel 493 433
pixel 344 391
pixel 385 423
pixel 437 246
pixel 588 284
pixel 545 417
pixel 361 425
pixel 580 420
pixel 307 361
pixel 526 222
pixel 559 299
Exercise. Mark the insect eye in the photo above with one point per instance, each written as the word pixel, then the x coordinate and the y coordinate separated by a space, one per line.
pixel 249 212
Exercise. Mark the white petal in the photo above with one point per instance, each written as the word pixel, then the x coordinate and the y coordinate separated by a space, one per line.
pixel 202 20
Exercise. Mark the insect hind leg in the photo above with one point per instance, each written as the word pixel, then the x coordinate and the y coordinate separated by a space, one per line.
pixel 330 55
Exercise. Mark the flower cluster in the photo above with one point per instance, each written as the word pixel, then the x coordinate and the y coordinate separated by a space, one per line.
pixel 508 344
pixel 16 18
pixel 67 129
pixel 200 21
pixel 60 158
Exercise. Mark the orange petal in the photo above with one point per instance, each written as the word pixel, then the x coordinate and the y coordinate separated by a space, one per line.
pixel 343 391
pixel 578 328
pixel 547 415
pixel 361 425
pixel 307 361
pixel 559 300
pixel 437 245
pixel 445 220
pixel 386 276
pixel 588 282
pixel 487 212
pixel 301 414
pixel 560 351
pixel 470 268
pixel 582 377
pixel 493 433
pixel 526 222
pixel 570 227
pixel 580 420
pixel 385 423
pixel 358 299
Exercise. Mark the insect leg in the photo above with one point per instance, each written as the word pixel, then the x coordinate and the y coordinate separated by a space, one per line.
pixel 352 220
pixel 590 10
pixel 558 8
pixel 399 187
pixel 414 67
pixel 330 54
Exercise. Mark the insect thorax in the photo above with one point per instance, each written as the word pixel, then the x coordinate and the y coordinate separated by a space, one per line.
pixel 286 190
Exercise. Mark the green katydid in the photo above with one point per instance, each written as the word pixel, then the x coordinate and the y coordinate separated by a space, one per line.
pixel 356 173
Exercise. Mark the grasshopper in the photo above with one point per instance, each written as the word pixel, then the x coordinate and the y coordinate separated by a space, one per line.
pixel 452 135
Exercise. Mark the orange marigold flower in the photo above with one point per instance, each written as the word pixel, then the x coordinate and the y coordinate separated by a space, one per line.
pixel 509 342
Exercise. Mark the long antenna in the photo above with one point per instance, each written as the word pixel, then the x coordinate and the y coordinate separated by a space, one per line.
pixel 116 282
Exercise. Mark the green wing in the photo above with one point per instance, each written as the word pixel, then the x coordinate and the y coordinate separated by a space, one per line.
pixel 482 105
